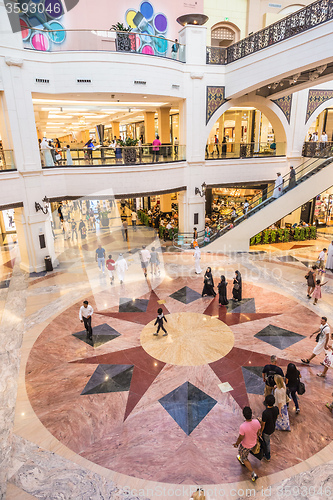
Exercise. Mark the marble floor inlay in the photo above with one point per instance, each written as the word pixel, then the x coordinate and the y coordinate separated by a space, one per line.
pixel 279 337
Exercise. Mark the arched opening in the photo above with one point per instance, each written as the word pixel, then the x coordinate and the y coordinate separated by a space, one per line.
pixel 319 136
pixel 244 131
pixel 224 34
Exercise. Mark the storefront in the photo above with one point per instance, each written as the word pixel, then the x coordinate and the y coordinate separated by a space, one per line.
pixel 323 208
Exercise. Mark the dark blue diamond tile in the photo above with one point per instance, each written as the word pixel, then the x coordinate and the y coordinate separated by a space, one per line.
pixel 186 295
pixel 130 305
pixel 4 284
pixel 101 334
pixel 188 406
pixel 109 378
pixel 279 337
pixel 244 306
pixel 253 379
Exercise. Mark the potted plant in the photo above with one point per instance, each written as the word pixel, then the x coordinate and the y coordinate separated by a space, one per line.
pixel 124 40
pixel 129 150
pixel 103 217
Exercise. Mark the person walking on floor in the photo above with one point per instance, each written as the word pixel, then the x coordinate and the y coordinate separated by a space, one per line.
pixel 237 287
pixel 280 394
pixel 268 373
pixel 321 261
pixel 134 219
pixel 159 321
pixel 208 288
pixel 100 258
pixel 156 148
pixel 268 421
pixel 85 314
pixel 292 380
pixel 74 230
pixel 197 257
pixel 329 261
pixel 145 258
pixel 247 439
pixel 222 288
pixel 124 230
pixel 110 265
pixel 121 267
pixel 328 361
pixel 310 278
pixel 154 262
pixel 317 291
pixel 322 339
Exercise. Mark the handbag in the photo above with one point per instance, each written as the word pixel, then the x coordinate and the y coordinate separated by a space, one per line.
pixel 259 449
pixel 236 286
pixel 300 388
pixel 58 157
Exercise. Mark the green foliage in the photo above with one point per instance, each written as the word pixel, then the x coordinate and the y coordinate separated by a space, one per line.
pixel 273 235
pixel 307 233
pixel 280 235
pixel 258 238
pixel 286 235
pixel 313 232
pixel 266 237
pixel 120 27
pixel 161 231
pixel 128 142
pixel 252 241
pixel 297 233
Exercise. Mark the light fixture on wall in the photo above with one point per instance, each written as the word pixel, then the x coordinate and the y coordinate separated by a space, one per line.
pixel 39 207
pixel 203 190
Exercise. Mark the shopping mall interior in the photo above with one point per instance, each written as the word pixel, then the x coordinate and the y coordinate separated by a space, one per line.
pixel 171 163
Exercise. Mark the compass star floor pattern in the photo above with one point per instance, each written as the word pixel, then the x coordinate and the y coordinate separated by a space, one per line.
pixel 128 430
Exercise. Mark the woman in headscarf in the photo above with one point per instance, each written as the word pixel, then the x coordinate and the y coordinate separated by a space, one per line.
pixel 222 287
pixel 208 288
pixel 121 267
pixel 46 151
pixel 197 256
pixel 237 289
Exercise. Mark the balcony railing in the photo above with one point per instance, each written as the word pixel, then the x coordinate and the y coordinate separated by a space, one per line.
pixel 227 150
pixel 104 156
pixel 60 40
pixel 322 149
pixel 304 19
pixel 7 159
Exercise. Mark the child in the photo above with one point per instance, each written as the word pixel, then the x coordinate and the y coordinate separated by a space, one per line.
pixel 159 321
pixel 110 265
pixel 317 291
pixel 321 261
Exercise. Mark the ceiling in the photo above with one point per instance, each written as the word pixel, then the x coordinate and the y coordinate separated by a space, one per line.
pixel 61 114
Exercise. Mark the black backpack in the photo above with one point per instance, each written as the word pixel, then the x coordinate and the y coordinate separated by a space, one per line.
pixel 270 378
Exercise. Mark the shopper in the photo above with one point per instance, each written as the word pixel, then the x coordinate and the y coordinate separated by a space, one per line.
pixel 154 262
pixel 247 439
pixel 216 142
pixel 156 148
pixel 278 187
pixel 46 150
pixel 321 261
pixel 159 321
pixel 292 178
pixel 197 257
pixel 124 229
pixel 134 219
pixel 74 230
pixel 83 230
pixel 222 288
pixel 268 373
pixel 144 258
pixel 208 288
pixel 322 339
pixel 328 361
pixel 121 267
pixel 100 258
pixel 110 265
pixel 317 291
pixel 85 314
pixel 310 278
pixel 69 159
pixel 329 262
pixel 174 49
pixel 292 380
pixel 280 394
pixel 237 287
pixel 268 421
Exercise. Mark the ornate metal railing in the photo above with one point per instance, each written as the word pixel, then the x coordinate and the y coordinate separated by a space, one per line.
pixel 215 55
pixel 322 149
pixel 304 19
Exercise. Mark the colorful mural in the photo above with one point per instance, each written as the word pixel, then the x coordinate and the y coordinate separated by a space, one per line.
pixel 43 15
pixel 315 99
pixel 149 24
pixel 284 104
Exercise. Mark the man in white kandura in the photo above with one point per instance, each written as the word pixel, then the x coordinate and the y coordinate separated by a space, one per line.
pixel 278 188
pixel 121 267
pixel 329 261
pixel 197 257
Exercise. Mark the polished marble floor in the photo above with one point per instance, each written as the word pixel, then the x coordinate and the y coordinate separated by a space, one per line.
pixel 131 409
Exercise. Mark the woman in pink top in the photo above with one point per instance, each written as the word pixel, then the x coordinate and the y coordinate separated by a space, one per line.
pixel 247 439
pixel 156 148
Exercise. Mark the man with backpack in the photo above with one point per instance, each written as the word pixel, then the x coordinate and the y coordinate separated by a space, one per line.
pixel 174 49
pixel 268 375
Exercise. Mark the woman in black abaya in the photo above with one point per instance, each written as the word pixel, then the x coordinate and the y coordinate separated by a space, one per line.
pixel 222 287
pixel 208 288
pixel 237 289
